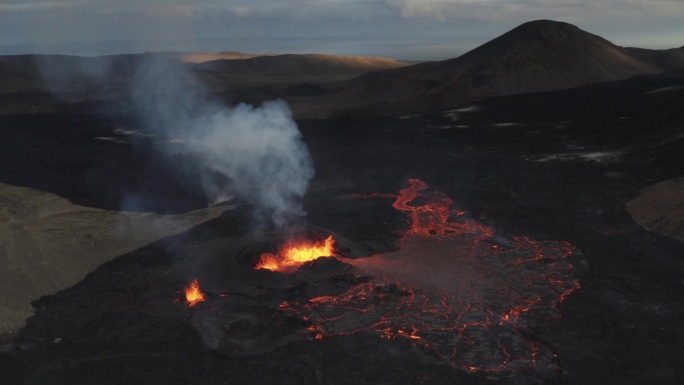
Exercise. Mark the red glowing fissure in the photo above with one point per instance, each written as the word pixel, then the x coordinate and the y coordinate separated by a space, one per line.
pixel 453 288
pixel 432 218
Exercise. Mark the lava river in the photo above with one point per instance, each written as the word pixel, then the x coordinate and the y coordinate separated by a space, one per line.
pixel 454 288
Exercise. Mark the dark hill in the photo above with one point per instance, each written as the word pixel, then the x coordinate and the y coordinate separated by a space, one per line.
pixel 536 56
pixel 66 73
pixel 49 83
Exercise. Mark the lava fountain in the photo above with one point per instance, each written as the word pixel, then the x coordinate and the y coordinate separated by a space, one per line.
pixel 193 294
pixel 454 288
pixel 296 253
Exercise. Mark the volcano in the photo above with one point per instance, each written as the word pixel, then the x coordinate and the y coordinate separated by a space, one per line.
pixel 511 240
pixel 537 56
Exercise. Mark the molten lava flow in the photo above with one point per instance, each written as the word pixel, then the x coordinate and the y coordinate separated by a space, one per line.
pixel 294 254
pixel 453 288
pixel 434 218
pixel 193 294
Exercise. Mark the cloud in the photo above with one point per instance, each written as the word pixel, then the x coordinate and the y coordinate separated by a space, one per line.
pixel 369 9
pixel 494 10
pixel 293 25
pixel 37 6
pixel 292 9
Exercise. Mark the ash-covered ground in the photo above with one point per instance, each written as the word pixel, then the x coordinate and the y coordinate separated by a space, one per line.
pixel 556 167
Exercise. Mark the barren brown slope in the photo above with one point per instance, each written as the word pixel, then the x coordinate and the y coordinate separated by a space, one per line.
pixel 202 57
pixel 294 65
pixel 537 56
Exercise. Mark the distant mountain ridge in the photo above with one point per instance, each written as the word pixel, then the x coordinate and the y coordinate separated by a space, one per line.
pixel 536 56
pixel 45 83
pixel 667 59
pixel 27 72
pixel 302 65
pixel 201 57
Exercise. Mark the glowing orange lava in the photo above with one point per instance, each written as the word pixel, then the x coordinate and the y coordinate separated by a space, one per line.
pixel 454 288
pixel 193 294
pixel 295 254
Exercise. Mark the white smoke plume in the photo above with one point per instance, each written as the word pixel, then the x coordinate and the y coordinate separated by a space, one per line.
pixel 256 153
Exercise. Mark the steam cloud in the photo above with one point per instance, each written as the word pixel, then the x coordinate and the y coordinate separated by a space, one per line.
pixel 256 153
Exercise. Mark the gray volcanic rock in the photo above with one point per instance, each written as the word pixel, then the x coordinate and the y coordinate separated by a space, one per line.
pixel 537 56
pixel 660 208
pixel 48 244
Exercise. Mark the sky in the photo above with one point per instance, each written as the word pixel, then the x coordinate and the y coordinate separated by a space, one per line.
pixel 403 29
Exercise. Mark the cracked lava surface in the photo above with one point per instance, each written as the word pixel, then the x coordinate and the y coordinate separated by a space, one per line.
pixel 453 288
